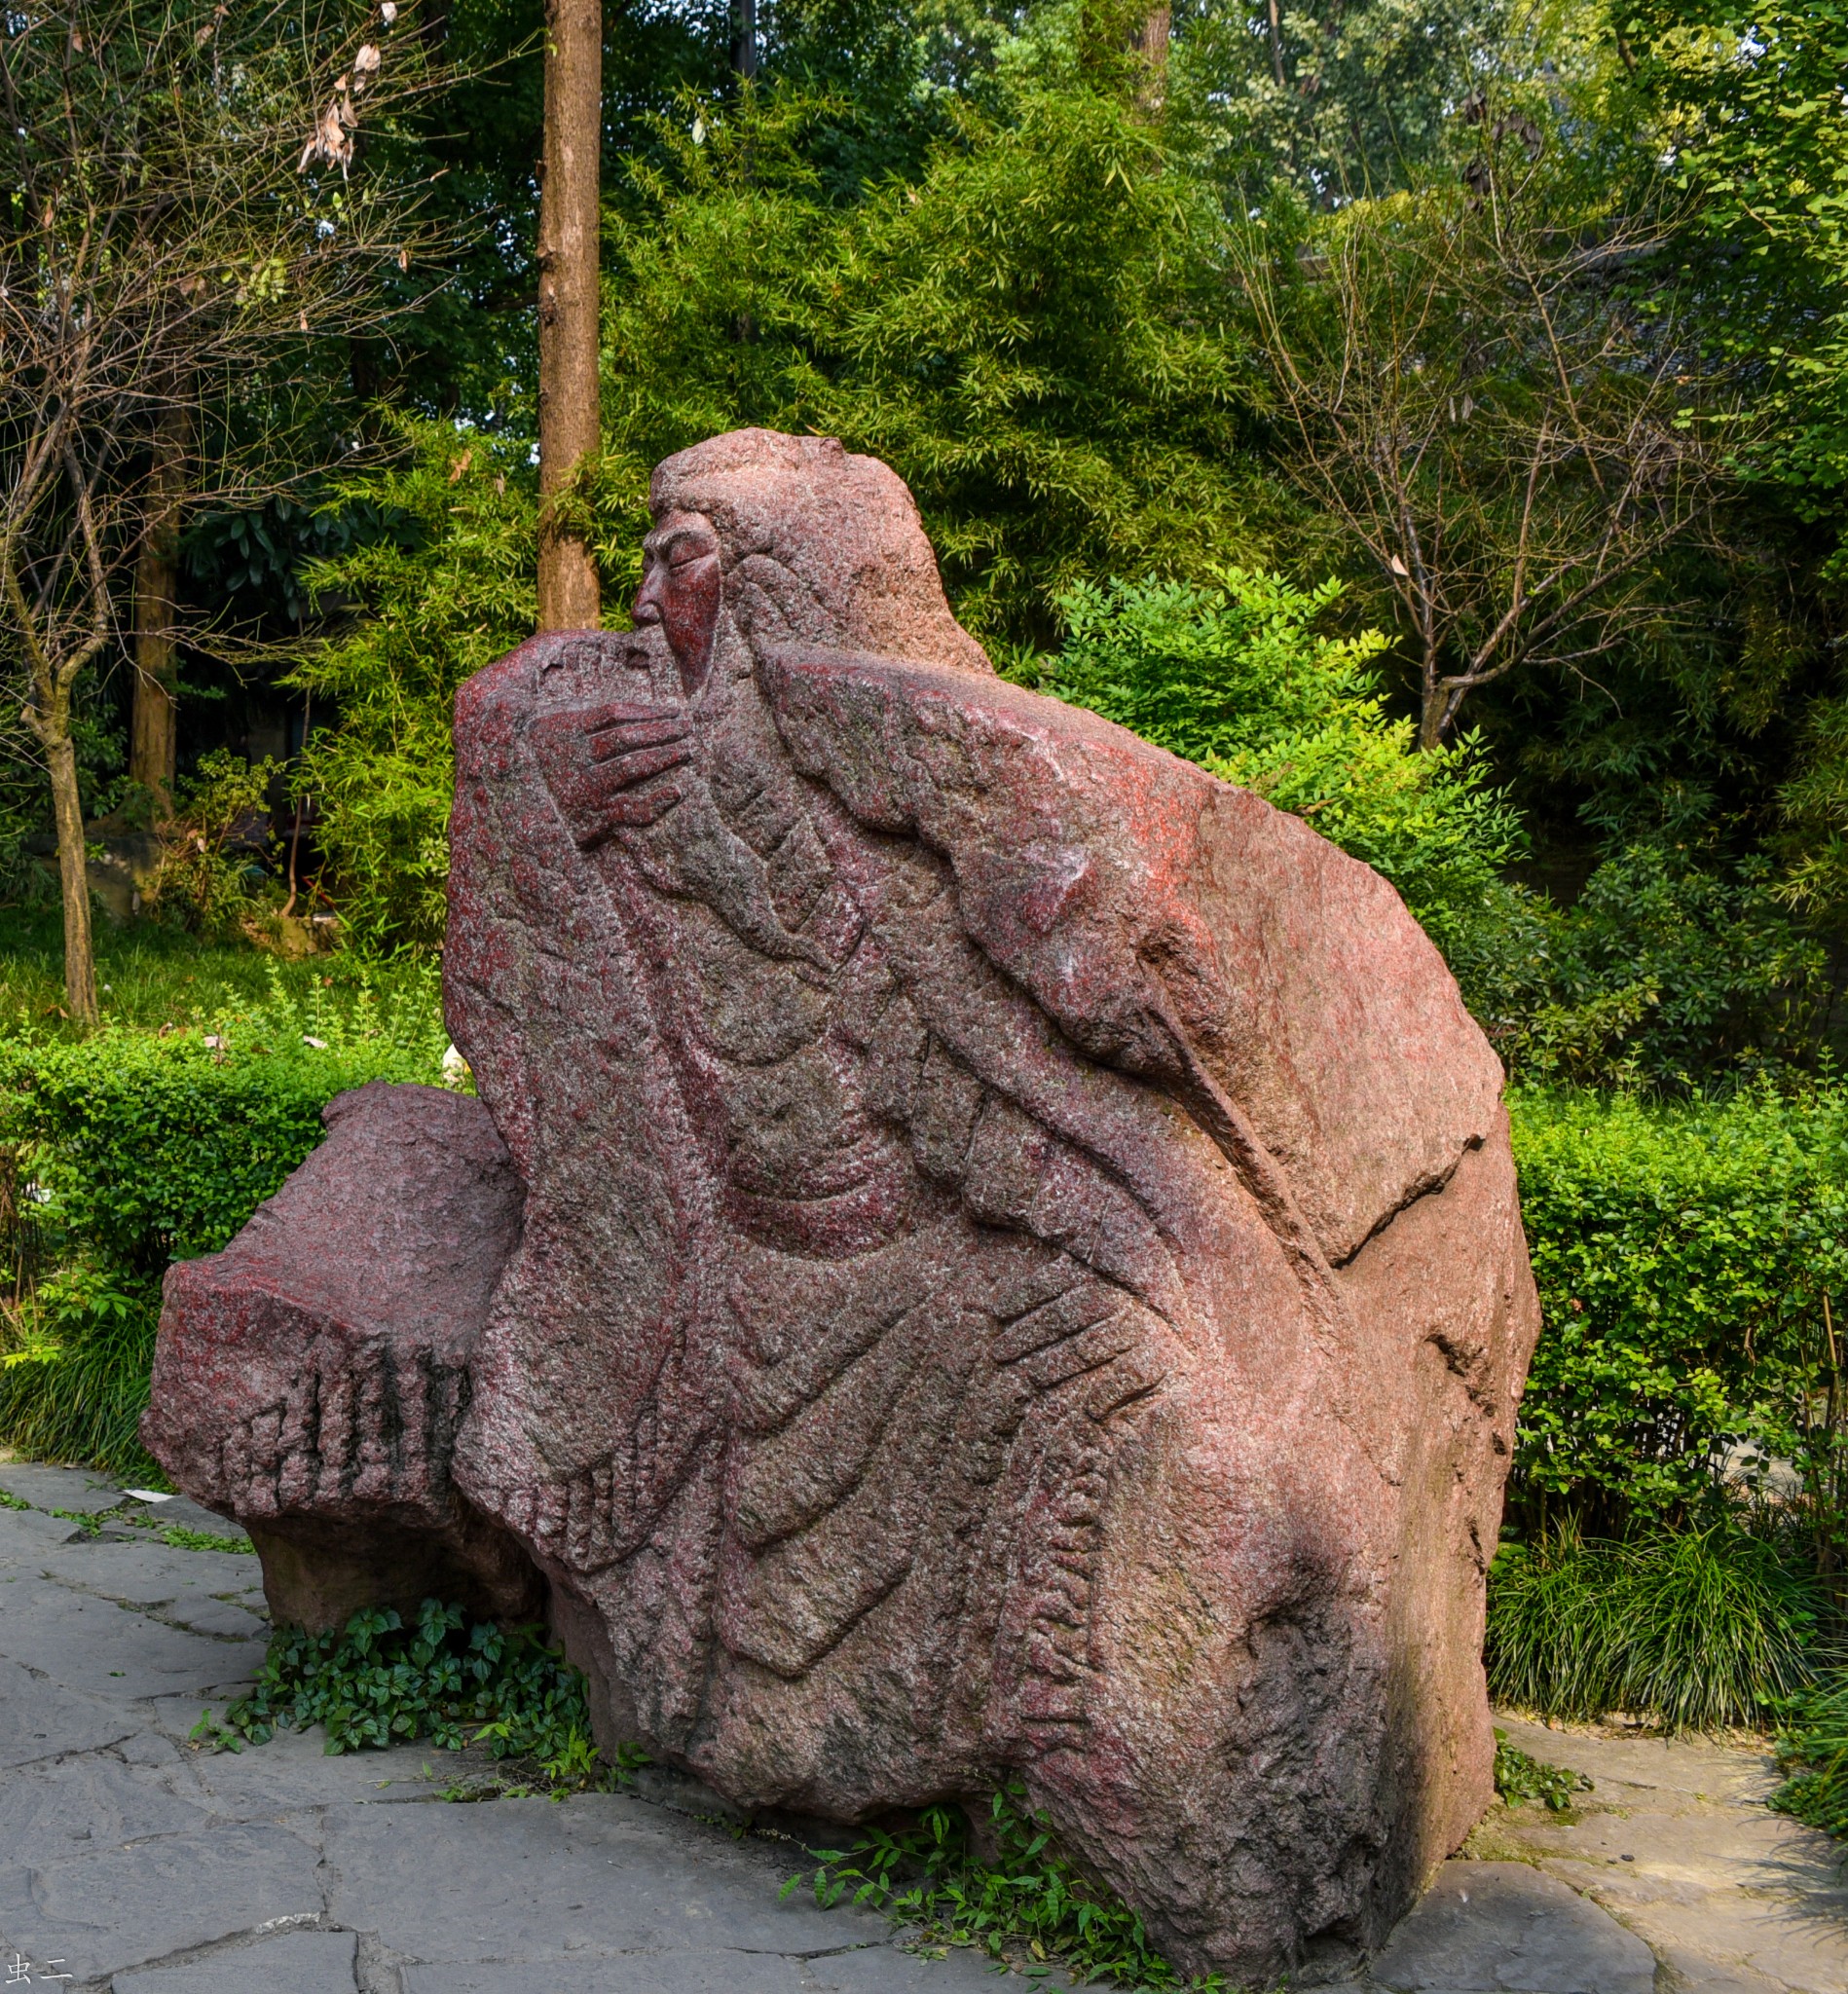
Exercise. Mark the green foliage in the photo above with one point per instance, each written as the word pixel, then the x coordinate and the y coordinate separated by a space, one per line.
pixel 140 1149
pixel 74 1380
pixel 445 596
pixel 1666 972
pixel 1812 1749
pixel 1751 97
pixel 1688 1259
pixel 1025 1898
pixel 179 1538
pixel 1523 1781
pixel 380 1682
pixel 157 1149
pixel 1029 331
pixel 1240 679
pixel 208 873
pixel 1696 1628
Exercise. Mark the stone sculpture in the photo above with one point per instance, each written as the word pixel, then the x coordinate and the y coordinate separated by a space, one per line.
pixel 1019 1270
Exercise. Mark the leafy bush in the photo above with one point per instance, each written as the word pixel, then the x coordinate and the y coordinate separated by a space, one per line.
pixel 380 1682
pixel 1026 1897
pixel 1240 679
pixel 1668 972
pixel 1688 1257
pixel 129 1150
pixel 1698 1628
pixel 208 871
pixel 452 591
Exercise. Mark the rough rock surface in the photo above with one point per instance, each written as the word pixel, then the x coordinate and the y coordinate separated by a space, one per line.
pixel 309 1379
pixel 1020 1272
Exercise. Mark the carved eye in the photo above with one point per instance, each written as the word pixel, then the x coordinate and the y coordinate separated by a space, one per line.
pixel 683 553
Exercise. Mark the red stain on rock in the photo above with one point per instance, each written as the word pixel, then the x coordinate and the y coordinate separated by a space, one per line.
pixel 1019 1269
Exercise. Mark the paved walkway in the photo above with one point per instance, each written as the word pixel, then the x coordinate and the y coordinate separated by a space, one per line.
pixel 133 1863
pixel 1675 1841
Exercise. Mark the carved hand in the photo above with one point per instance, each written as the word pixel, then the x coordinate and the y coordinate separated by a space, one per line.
pixel 600 763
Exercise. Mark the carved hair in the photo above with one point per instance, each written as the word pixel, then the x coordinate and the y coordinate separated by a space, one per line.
pixel 818 547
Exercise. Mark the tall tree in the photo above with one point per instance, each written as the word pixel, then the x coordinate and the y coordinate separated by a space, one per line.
pixel 154 720
pixel 570 218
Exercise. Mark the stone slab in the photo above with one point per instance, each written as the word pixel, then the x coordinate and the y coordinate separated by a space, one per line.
pixel 41 1720
pixel 1506 1928
pixel 132 1906
pixel 538 1880
pixel 885 1969
pixel 633 1972
pixel 79 1490
pixel 108 1649
pixel 291 1963
pixel 89 1801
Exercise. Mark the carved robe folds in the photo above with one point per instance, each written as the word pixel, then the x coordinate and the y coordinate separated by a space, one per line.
pixel 1019 1268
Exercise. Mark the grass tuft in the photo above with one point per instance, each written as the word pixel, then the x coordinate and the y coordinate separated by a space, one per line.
pixel 1698 1629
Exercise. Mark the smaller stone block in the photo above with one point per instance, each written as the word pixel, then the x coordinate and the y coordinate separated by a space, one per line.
pixel 308 1379
pixel 1503 1928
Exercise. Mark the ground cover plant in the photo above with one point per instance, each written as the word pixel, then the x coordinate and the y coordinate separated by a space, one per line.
pixel 1524 1780
pixel 1008 1894
pixel 1812 1750
pixel 446 1677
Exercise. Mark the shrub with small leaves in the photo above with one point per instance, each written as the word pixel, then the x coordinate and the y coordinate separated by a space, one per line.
pixel 1812 1749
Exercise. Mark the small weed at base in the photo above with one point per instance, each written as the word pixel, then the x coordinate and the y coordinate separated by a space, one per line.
pixel 1029 1903
pixel 12 1501
pixel 1522 1781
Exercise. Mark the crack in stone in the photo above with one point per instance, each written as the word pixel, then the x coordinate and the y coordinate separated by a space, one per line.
pixel 149 1610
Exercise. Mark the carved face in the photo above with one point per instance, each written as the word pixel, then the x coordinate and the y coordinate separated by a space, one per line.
pixel 681 583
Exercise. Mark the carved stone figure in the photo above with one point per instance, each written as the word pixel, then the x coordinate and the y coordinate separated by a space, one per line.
pixel 1019 1268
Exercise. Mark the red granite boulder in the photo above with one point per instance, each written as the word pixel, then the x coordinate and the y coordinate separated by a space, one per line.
pixel 1020 1272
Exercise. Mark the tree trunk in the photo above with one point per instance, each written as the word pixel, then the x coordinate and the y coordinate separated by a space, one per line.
pixel 154 732
pixel 73 871
pixel 1152 45
pixel 569 221
pixel 744 37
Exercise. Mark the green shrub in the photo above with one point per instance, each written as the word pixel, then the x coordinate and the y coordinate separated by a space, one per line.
pixel 129 1150
pixel 380 1682
pixel 1691 1257
pixel 436 602
pixel 1669 971
pixel 1696 1628
pixel 1028 1898
pixel 1242 680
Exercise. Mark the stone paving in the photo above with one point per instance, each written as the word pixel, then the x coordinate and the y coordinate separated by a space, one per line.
pixel 131 1863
